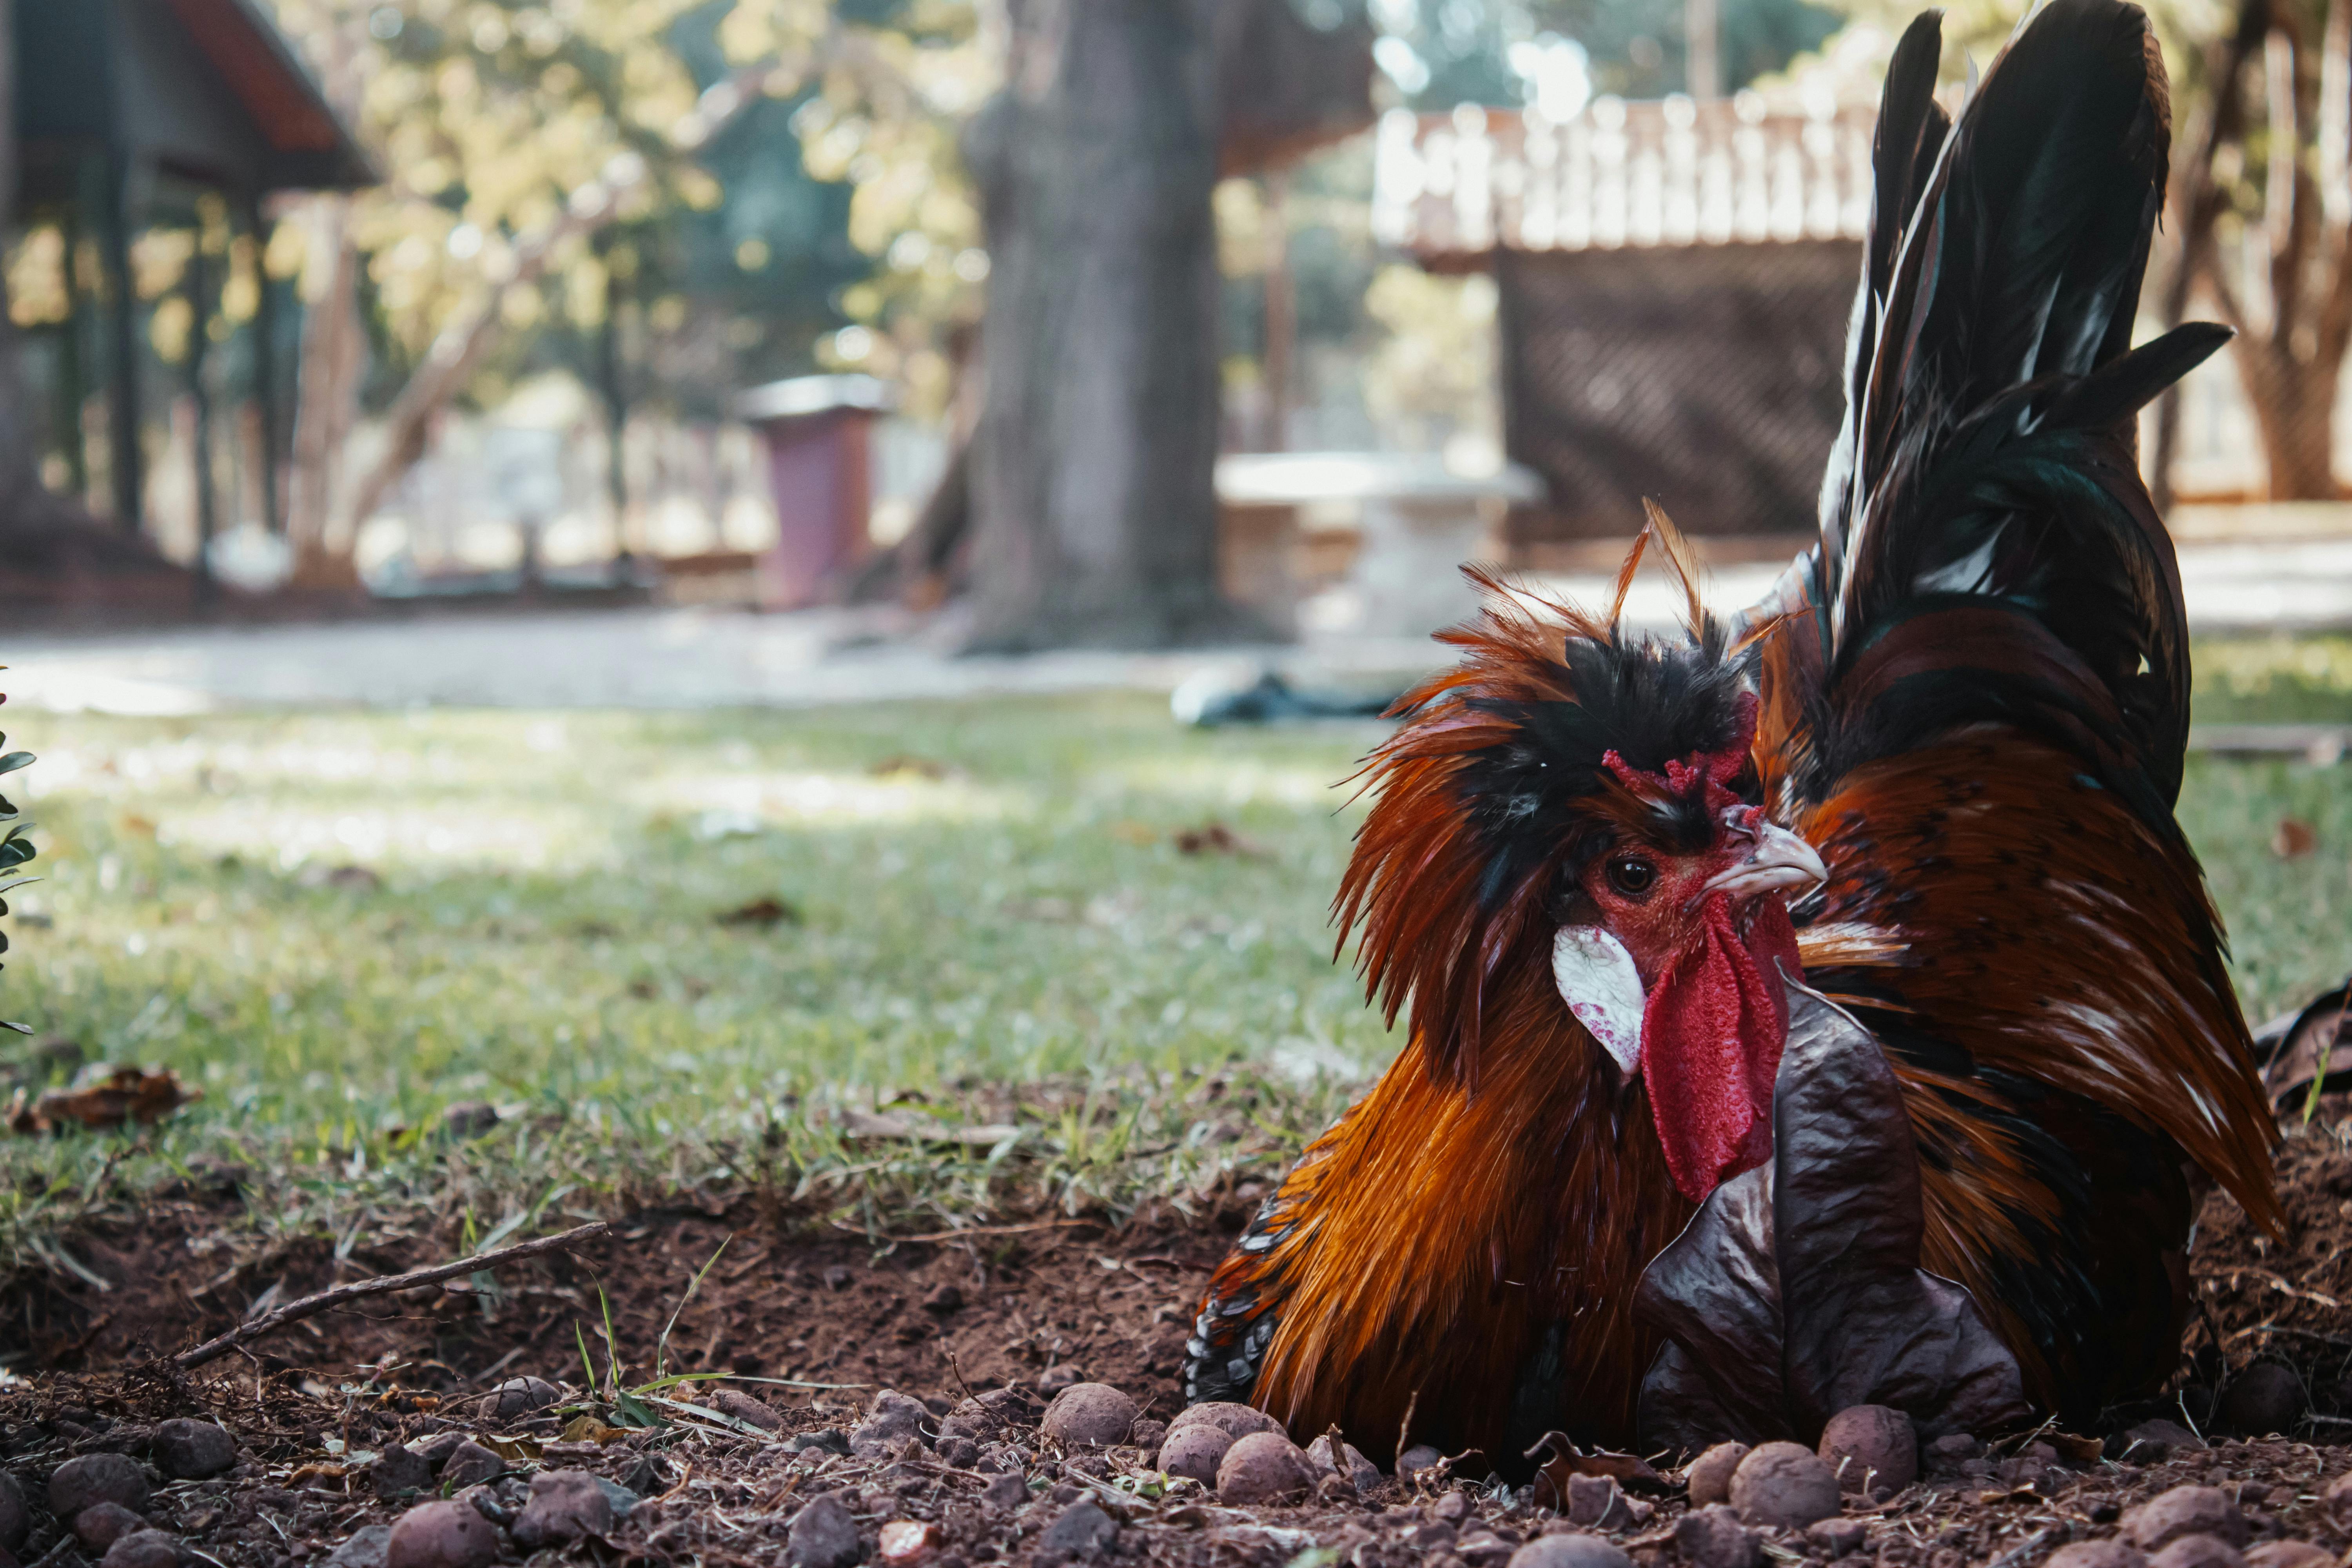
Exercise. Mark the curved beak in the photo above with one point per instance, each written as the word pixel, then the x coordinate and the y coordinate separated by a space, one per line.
pixel 1782 862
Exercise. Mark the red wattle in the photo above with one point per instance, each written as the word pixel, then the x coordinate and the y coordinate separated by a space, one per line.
pixel 1712 1033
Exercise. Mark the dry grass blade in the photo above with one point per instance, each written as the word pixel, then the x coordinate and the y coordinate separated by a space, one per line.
pixel 309 1305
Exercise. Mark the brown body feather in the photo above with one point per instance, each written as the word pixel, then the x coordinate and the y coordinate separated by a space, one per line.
pixel 1971 700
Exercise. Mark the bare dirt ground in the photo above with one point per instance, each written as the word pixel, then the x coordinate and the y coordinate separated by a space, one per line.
pixel 316 1411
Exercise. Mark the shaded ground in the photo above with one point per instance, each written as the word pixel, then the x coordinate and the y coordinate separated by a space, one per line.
pixel 1027 1305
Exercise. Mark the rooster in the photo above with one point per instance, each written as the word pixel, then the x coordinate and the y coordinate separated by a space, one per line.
pixel 1825 1007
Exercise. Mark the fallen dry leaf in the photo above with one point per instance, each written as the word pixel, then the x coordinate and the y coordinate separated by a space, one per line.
pixel 588 1429
pixel 1216 839
pixel 1562 1458
pixel 2294 838
pixel 762 913
pixel 125 1094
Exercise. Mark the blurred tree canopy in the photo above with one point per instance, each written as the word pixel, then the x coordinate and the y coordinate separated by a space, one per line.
pixel 1444 52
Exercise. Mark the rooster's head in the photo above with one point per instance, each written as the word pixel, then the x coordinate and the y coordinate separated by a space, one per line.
pixel 1576 800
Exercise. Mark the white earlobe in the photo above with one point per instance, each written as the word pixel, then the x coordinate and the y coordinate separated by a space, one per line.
pixel 1599 981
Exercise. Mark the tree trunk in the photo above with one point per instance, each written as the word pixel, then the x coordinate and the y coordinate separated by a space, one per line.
pixel 1094 503
pixel 2293 401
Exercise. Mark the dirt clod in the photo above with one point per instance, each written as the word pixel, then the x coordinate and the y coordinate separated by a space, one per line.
pixel 2197 1551
pixel 565 1505
pixel 1080 1533
pixel 890 1421
pixel 1233 1420
pixel 1264 1467
pixel 2266 1397
pixel 451 1534
pixel 943 1300
pixel 1090 1413
pixel 365 1549
pixel 102 1524
pixel 2185 1511
pixel 96 1479
pixel 397 1470
pixel 1710 1476
pixel 1785 1486
pixel 1575 1550
pixel 1196 1451
pixel 2288 1555
pixel 13 1520
pixel 1007 1492
pixel 1341 1459
pixel 469 1119
pixel 522 1396
pixel 821 1535
pixel 189 1450
pixel 1712 1537
pixel 470 1464
pixel 1871 1448
pixel 2153 1442
pixel 1419 1458
pixel 144 1549
pixel 2097 1554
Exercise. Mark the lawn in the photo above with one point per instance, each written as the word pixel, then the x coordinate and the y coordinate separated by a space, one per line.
pixel 337 925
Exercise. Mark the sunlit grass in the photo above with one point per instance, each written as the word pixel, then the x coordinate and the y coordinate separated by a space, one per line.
pixel 994 920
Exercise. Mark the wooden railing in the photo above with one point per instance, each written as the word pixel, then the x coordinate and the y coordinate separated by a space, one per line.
pixel 1668 173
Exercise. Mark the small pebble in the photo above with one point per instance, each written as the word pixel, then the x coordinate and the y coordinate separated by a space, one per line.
pixel 520 1396
pixel 2096 1554
pixel 97 1478
pixel 1597 1502
pixel 827 1441
pixel 1574 1550
pixel 1784 1486
pixel 442 1535
pixel 1264 1466
pixel 1335 1490
pixel 1007 1492
pixel 1195 1451
pixel 1083 1531
pixel 745 1408
pixel 1419 1458
pixel 2197 1551
pixel 1872 1448
pixel 907 1541
pixel 1090 1413
pixel 1234 1420
pixel 189 1450
pixel 1480 1549
pixel 943 1300
pixel 961 1452
pixel 470 1464
pixel 564 1506
pixel 1453 1508
pixel 102 1524
pixel 2153 1442
pixel 2185 1511
pixel 1712 1537
pixel 366 1549
pixel 821 1535
pixel 2266 1397
pixel 144 1549
pixel 1708 1477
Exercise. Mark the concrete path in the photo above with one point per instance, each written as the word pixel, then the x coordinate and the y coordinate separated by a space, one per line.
pixel 695 658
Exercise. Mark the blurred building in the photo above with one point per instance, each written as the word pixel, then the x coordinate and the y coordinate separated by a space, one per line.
pixel 1674 279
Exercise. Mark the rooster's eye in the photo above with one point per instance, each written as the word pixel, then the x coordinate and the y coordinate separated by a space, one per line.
pixel 1630 875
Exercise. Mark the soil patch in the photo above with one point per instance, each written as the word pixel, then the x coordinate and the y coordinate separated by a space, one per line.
pixel 812 1332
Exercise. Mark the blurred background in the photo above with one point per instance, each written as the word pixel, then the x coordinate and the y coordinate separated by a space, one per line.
pixel 1012 325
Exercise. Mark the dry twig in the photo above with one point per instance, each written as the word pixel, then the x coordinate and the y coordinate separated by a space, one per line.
pixel 310 1306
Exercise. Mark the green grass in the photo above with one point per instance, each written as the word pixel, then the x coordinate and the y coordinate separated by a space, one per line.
pixel 1020 938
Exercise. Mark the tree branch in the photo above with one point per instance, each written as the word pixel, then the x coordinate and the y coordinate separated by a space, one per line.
pixel 311 1305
